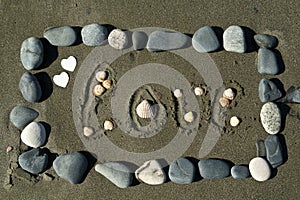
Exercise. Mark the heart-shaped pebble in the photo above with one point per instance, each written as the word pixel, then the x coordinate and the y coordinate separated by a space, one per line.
pixel 69 64
pixel 61 80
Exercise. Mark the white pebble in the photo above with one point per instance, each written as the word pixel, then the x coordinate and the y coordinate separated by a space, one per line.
pixel 88 131
pixel 234 39
pixel 234 121
pixel 118 39
pixel 177 93
pixel 189 117
pixel 34 135
pixel 108 125
pixel 151 173
pixel 101 76
pixel 199 91
pixel 259 169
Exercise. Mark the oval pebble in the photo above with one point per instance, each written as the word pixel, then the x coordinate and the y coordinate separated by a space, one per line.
pixel 21 116
pixel 270 118
pixel 205 40
pixel 94 34
pixel 60 36
pixel 151 173
pixel 214 168
pixel 234 39
pixel 32 53
pixel 30 87
pixel 34 161
pixel 118 39
pixel 34 135
pixel 240 172
pixel 182 171
pixel 265 40
pixel 259 169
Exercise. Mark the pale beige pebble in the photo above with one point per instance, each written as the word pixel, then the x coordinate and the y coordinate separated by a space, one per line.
pixel 177 93
pixel 189 117
pixel 47 177
pixel 224 102
pixel 199 91
pixel 117 39
pixel 260 169
pixel 144 110
pixel 106 84
pixel 98 90
pixel 9 149
pixel 88 131
pixel 151 173
pixel 108 125
pixel 234 121
pixel 101 76
pixel 229 94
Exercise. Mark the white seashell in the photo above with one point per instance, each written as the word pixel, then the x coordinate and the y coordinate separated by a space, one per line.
pixel 224 102
pixel 101 76
pixel 9 149
pixel 106 84
pixel 108 125
pixel 189 117
pixel 88 131
pixel 199 91
pixel 234 121
pixel 177 93
pixel 117 39
pixel 34 135
pixel 144 110
pixel 229 94
pixel 98 90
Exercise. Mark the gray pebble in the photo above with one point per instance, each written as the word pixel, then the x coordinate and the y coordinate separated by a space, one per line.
pixel 260 148
pixel 293 95
pixel 240 172
pixel 182 171
pixel 71 166
pixel 21 116
pixel 205 40
pixel 30 87
pixel 32 53
pixel 34 161
pixel 268 91
pixel 60 36
pixel 118 173
pixel 234 39
pixel 214 168
pixel 139 40
pixel 265 40
pixel 94 34
pixel 165 40
pixel 267 62
pixel 274 150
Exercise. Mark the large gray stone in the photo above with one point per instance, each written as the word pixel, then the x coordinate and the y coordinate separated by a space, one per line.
pixel 214 168
pixel 60 36
pixel 71 166
pixel 21 116
pixel 94 34
pixel 182 171
pixel 234 39
pixel 34 161
pixel 30 87
pixel 139 40
pixel 268 91
pixel 32 53
pixel 265 40
pixel 118 173
pixel 240 172
pixel 205 40
pixel 275 154
pixel 267 62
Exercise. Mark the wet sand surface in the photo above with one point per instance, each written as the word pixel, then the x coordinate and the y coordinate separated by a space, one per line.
pixel 21 20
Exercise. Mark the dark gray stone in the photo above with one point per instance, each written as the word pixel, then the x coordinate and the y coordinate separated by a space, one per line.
pixel 166 41
pixel 71 166
pixel 30 87
pixel 293 95
pixel 267 62
pixel 214 168
pixel 274 150
pixel 260 148
pixel 182 171
pixel 118 173
pixel 32 53
pixel 34 161
pixel 240 172
pixel 268 91
pixel 94 34
pixel 205 40
pixel 60 36
pixel 139 40
pixel 21 116
pixel 265 40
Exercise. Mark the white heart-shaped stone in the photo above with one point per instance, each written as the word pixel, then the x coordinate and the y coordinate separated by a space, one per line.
pixel 69 64
pixel 61 80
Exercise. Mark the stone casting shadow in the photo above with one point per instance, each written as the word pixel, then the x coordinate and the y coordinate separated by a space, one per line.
pixel 50 53
pixel 250 42
pixel 279 85
pixel 46 85
pixel 77 30
pixel 132 167
pixel 195 162
pixel 47 129
pixel 280 62
pixel 284 110
pixel 51 157
pixel 91 162
pixel 284 148
pixel 219 33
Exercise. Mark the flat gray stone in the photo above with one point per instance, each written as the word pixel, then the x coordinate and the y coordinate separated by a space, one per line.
pixel 30 87
pixel 274 150
pixel 265 40
pixel 71 166
pixel 32 53
pixel 214 168
pixel 240 172
pixel 205 40
pixel 270 118
pixel 34 161
pixel 260 148
pixel 293 95
pixel 21 116
pixel 166 41
pixel 182 171
pixel 118 173
pixel 268 91
pixel 139 40
pixel 94 34
pixel 267 62
pixel 60 36
pixel 234 39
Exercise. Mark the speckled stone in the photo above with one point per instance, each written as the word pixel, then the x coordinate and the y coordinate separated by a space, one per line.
pixel 21 116
pixel 274 150
pixel 94 34
pixel 267 62
pixel 265 40
pixel 205 40
pixel 240 172
pixel 182 171
pixel 60 36
pixel 32 53
pixel 214 168
pixel 234 39
pixel 270 118
pixel 268 91
pixel 30 87
pixel 34 161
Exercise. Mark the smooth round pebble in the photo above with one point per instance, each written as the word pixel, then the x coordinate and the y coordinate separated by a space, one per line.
pixel 108 125
pixel 189 117
pixel 199 91
pixel 267 62
pixel 88 131
pixel 94 34
pixel 234 121
pixel 240 172
pixel 30 87
pixel 21 116
pixel 34 161
pixel 205 40
pixel 259 169
pixel 151 173
pixel 268 91
pixel 234 39
pixel 214 168
pixel 118 39
pixel 139 40
pixel 265 40
pixel 182 171
pixel 34 135
pixel 270 118
pixel 32 53
pixel 60 36
pixel 177 93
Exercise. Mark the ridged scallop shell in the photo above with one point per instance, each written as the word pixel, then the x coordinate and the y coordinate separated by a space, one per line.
pixel 189 117
pixel 101 76
pixel 177 93
pixel 106 84
pixel 108 125
pixel 144 110
pixel 199 91
pixel 98 90
pixel 224 102
pixel 229 94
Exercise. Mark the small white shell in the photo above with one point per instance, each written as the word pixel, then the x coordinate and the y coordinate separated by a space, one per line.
pixel 101 76
pixel 224 102
pixel 108 125
pixel 199 91
pixel 177 93
pixel 88 131
pixel 9 149
pixel 234 121
pixel 106 84
pixel 144 110
pixel 189 117
pixel 98 90
pixel 229 94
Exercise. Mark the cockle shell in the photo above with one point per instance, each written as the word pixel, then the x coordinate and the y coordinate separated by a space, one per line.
pixel 108 125
pixel 234 121
pixel 199 91
pixel 229 94
pixel 224 102
pixel 189 117
pixel 98 90
pixel 106 84
pixel 177 93
pixel 117 39
pixel 101 76
pixel 88 131
pixel 144 110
